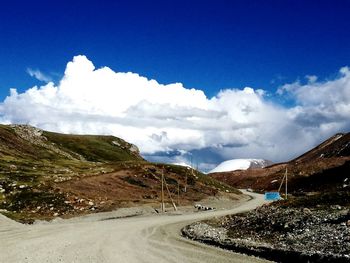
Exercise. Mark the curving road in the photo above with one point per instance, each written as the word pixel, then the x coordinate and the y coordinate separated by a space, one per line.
pixel 154 238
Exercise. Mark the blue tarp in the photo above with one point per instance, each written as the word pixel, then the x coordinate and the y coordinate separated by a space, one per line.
pixel 272 196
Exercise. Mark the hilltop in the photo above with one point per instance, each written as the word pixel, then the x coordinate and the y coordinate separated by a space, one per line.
pixel 45 174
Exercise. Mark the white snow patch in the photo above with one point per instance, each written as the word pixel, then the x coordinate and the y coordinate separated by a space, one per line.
pixel 239 164
pixel 183 164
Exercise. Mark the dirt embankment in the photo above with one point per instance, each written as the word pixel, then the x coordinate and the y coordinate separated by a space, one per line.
pixel 281 234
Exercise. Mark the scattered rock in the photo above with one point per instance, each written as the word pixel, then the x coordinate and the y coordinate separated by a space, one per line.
pixel 307 211
pixel 13 167
pixel 35 136
pixel 133 148
pixel 204 208
pixel 336 207
pixel 344 212
pixel 116 143
pixel 291 234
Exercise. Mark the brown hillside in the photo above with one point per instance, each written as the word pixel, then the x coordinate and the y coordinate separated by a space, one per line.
pixel 336 146
pixel 324 167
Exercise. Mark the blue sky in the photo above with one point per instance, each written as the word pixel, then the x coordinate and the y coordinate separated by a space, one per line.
pixel 292 54
pixel 209 45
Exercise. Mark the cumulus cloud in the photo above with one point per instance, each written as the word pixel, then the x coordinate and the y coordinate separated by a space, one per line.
pixel 321 105
pixel 175 124
pixel 38 75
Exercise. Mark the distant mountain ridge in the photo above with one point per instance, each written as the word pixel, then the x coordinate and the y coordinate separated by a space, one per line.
pixel 325 167
pixel 240 164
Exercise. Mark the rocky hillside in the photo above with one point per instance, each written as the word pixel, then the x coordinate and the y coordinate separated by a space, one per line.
pixel 326 167
pixel 45 174
pixel 336 146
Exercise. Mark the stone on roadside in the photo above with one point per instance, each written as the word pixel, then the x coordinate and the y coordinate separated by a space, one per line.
pixel 307 211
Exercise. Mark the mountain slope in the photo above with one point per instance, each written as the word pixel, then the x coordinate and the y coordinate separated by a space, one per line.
pixel 45 174
pixel 29 142
pixel 336 146
pixel 326 166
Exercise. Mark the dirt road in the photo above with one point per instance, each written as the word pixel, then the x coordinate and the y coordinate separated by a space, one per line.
pixel 152 238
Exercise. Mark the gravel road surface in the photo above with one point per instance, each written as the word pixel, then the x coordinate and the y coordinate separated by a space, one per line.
pixel 102 238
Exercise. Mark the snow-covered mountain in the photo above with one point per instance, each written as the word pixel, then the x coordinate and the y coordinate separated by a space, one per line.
pixel 240 164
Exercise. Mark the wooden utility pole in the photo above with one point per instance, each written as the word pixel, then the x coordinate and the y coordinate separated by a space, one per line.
pixel 169 194
pixel 178 194
pixel 279 189
pixel 285 177
pixel 162 194
pixel 172 201
pixel 163 182
pixel 286 183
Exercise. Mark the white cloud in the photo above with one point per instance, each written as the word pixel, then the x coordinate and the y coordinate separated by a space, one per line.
pixel 311 78
pixel 324 105
pixel 171 118
pixel 38 75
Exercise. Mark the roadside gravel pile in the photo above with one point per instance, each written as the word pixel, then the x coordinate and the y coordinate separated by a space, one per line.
pixel 281 234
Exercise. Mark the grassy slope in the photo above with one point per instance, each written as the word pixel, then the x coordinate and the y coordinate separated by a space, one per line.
pixel 57 155
pixel 94 148
pixel 44 173
pixel 29 167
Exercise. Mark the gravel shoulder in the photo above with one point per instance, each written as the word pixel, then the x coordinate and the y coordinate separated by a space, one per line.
pixel 106 237
pixel 284 234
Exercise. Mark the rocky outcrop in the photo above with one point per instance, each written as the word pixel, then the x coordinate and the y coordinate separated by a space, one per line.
pixel 35 136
